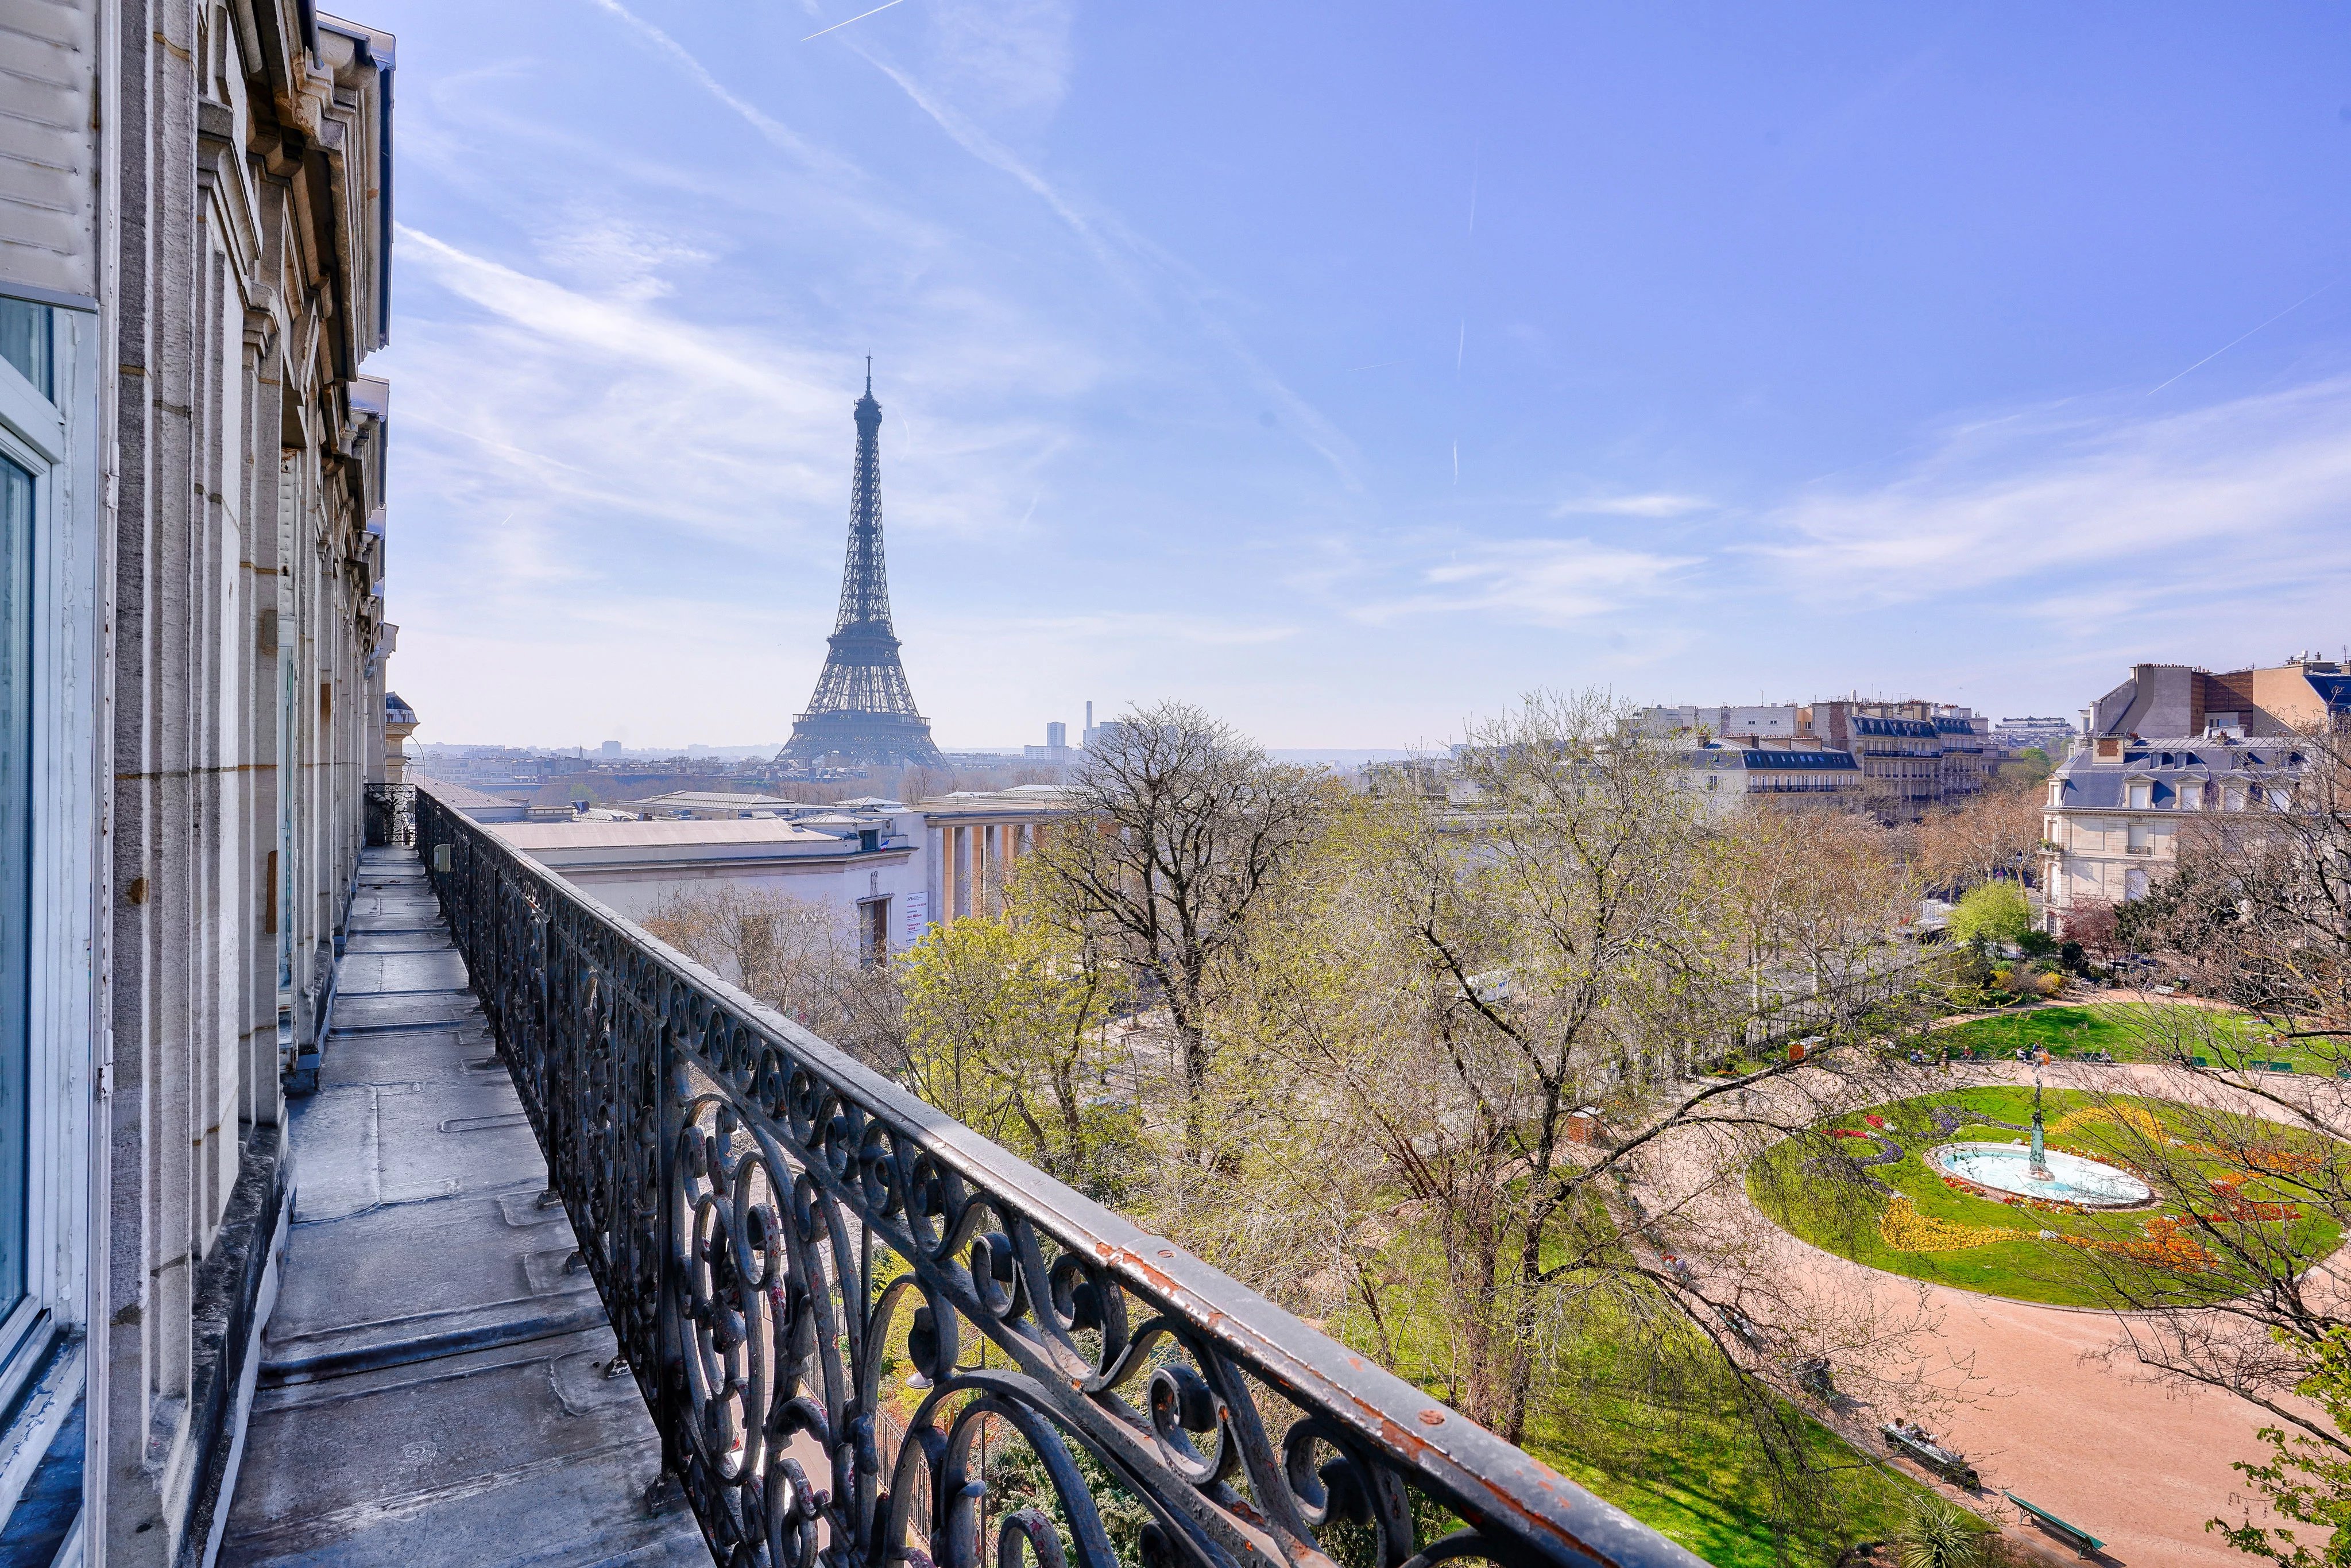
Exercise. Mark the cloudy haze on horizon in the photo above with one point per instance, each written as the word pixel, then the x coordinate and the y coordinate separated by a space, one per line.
pixel 1350 380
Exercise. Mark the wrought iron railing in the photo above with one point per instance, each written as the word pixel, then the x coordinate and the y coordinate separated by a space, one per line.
pixel 391 813
pixel 866 1333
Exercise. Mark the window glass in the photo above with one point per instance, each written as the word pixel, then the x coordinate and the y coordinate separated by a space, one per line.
pixel 15 863
pixel 25 341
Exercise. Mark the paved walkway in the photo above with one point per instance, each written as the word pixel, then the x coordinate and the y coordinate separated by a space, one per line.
pixel 431 1391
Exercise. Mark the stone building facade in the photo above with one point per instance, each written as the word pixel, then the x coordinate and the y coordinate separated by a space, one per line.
pixel 193 244
pixel 2111 822
pixel 1896 745
pixel 2166 747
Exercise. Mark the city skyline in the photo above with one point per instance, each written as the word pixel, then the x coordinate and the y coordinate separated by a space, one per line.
pixel 1352 398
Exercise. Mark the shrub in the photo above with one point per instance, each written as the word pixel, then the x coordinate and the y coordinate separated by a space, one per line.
pixel 1939 1536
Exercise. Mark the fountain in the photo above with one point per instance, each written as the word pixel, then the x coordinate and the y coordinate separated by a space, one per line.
pixel 2034 1172
pixel 2039 1169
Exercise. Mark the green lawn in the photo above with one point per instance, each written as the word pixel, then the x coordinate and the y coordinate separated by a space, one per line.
pixel 1646 1416
pixel 2130 1031
pixel 1840 1219
pixel 1695 1476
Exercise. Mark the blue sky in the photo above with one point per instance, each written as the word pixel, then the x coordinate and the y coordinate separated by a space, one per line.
pixel 1350 370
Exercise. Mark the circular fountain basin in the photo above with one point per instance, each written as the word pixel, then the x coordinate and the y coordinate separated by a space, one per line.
pixel 2008 1167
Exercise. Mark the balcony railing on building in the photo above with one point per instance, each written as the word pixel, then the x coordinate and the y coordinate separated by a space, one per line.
pixel 847 1311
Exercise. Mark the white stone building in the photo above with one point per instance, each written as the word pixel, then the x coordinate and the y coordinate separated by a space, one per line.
pixel 892 869
pixel 2115 809
pixel 2116 806
pixel 875 875
pixel 193 250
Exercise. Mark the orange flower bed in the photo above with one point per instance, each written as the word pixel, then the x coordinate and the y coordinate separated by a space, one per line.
pixel 2166 1246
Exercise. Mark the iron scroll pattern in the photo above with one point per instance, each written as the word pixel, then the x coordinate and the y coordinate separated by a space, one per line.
pixel 777 1233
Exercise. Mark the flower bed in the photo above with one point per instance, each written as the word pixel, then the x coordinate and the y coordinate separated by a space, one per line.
pixel 1904 1229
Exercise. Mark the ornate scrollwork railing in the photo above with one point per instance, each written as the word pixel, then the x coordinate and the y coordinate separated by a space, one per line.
pixel 779 1232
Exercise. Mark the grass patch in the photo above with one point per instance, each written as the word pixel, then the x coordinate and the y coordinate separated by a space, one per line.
pixel 1638 1407
pixel 1693 1474
pixel 1822 1203
pixel 2129 1031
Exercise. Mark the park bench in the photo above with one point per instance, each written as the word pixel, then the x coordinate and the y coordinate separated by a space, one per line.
pixel 2073 1535
pixel 1915 1445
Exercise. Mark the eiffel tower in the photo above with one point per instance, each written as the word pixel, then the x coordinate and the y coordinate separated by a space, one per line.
pixel 862 714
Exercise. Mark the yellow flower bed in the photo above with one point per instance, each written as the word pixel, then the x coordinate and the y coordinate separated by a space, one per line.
pixel 1905 1229
pixel 2131 1117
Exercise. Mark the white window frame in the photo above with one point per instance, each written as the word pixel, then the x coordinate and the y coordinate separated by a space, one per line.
pixel 56 440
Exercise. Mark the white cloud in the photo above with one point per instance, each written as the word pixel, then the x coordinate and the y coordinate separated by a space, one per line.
pixel 1656 504
pixel 1546 583
pixel 2251 493
pixel 1008 58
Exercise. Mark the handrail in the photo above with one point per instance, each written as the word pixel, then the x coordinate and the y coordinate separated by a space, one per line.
pixel 758 1210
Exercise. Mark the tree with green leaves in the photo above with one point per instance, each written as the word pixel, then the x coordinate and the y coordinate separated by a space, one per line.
pixel 1006 1021
pixel 2305 1479
pixel 1995 912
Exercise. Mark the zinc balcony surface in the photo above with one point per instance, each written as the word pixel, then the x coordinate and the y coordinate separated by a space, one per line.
pixel 432 1389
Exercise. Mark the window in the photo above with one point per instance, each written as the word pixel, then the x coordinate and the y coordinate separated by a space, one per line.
pixel 17 491
pixel 48 485
pixel 873 931
pixel 2192 797
pixel 27 342
pixel 2139 839
pixel 2142 795
pixel 2232 799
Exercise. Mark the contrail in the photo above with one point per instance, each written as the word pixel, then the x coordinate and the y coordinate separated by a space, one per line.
pixel 2234 341
pixel 1461 345
pixel 820 32
pixel 767 125
pixel 1456 462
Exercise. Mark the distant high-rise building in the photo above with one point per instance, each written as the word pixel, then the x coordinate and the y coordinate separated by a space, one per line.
pixel 863 714
pixel 1056 747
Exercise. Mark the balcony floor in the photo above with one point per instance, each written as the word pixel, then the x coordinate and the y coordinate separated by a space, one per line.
pixel 432 1387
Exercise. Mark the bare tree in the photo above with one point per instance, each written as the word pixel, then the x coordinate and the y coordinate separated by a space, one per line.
pixel 802 958
pixel 1991 834
pixel 1182 824
pixel 1500 1007
pixel 1812 901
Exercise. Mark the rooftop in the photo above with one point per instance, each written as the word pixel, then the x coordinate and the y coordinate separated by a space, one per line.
pixel 591 834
